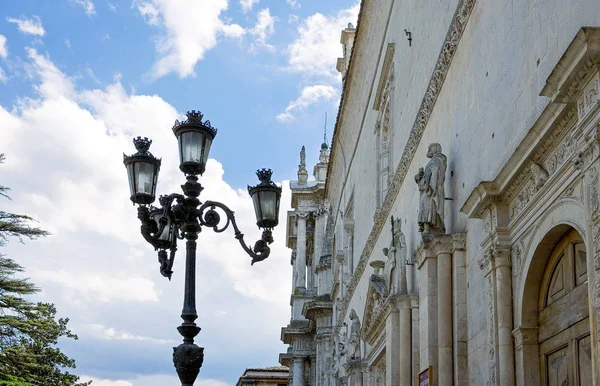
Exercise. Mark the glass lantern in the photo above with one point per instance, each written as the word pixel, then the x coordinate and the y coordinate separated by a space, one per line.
pixel 266 197
pixel 195 138
pixel 142 171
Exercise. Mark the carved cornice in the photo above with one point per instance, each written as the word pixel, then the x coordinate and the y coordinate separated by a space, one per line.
pixel 317 309
pixel 585 45
pixel 453 37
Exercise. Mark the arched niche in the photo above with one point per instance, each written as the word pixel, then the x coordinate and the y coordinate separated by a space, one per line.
pixel 558 221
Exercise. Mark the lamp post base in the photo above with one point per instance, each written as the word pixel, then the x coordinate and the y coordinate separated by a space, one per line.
pixel 188 358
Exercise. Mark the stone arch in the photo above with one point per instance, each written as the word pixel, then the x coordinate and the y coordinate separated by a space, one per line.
pixel 559 219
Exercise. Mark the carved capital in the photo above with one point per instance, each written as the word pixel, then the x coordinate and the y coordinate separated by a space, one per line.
pixel 459 241
pixel 525 336
pixel 302 215
pixel 498 255
pixel 440 244
pixel 349 226
pixel 501 255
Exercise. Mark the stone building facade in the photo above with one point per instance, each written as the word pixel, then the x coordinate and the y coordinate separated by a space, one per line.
pixel 265 376
pixel 456 237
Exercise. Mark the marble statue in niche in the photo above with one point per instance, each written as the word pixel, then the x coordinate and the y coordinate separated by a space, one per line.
pixel 395 265
pixel 431 188
pixel 354 339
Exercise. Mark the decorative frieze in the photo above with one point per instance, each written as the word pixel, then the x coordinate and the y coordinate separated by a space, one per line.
pixel 589 98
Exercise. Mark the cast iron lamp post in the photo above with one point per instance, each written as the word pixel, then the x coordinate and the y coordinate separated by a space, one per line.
pixel 183 216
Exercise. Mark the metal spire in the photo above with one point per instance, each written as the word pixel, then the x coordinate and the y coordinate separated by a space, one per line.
pixel 325 131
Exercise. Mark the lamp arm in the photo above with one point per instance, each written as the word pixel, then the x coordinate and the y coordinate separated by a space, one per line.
pixel 211 218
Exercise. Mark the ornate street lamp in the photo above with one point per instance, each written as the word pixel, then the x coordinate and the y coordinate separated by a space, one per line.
pixel 183 216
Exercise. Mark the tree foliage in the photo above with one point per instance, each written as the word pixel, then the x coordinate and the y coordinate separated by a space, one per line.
pixel 29 331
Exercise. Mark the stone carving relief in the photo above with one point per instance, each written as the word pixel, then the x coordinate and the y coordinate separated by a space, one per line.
pixel 589 98
pixel 444 60
pixel 395 265
pixel 431 188
pixel 354 339
pixel 550 157
pixel 591 177
pixel 539 175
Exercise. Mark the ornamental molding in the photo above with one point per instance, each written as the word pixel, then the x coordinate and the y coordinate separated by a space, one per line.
pixel 453 37
pixel 387 76
pixel 378 306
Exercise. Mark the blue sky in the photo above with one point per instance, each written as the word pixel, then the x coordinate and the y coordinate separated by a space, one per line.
pixel 78 79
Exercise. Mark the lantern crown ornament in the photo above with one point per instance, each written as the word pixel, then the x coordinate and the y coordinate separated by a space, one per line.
pixel 195 137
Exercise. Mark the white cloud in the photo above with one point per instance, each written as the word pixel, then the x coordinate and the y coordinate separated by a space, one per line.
pixel 315 51
pixel 91 74
pixel 264 28
pixel 248 4
pixel 31 26
pixel 293 3
pixel 105 382
pixel 3 77
pixel 185 39
pixel 112 7
pixel 106 36
pixel 67 43
pixel 87 5
pixel 110 333
pixel 310 95
pixel 3 47
pixel 95 287
pixel 293 18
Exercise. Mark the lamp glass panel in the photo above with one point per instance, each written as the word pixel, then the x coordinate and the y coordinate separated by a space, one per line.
pixel 268 204
pixel 207 144
pixel 256 202
pixel 144 172
pixel 190 144
pixel 131 178
pixel 166 233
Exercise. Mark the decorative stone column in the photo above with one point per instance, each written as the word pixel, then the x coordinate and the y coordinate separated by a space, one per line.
pixel 349 230
pixel 505 315
pixel 392 347
pixel 496 267
pixel 405 315
pixel 318 242
pixel 587 161
pixel 459 312
pixel 428 321
pixel 526 346
pixel 298 371
pixel 435 261
pixel 301 250
pixel 444 308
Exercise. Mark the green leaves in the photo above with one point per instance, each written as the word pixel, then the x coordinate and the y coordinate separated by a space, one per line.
pixel 29 331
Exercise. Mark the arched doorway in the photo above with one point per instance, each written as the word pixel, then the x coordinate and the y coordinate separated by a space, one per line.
pixel 563 316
